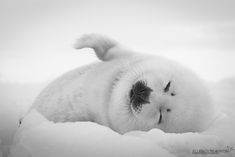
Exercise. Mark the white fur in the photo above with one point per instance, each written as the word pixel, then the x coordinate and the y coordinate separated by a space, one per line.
pixel 100 92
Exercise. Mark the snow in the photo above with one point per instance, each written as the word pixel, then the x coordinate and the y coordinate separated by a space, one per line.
pixel 39 137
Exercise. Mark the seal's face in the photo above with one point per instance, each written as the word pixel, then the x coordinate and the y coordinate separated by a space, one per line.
pixel 168 103
pixel 153 101
pixel 170 98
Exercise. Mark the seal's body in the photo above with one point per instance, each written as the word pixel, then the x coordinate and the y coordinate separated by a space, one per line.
pixel 128 91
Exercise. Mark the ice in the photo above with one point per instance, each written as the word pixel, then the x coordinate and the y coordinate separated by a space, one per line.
pixel 39 137
pixel 218 137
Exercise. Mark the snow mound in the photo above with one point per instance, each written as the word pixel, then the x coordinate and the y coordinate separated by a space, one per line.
pixel 39 137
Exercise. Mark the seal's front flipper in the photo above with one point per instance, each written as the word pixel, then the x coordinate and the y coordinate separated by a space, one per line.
pixel 104 47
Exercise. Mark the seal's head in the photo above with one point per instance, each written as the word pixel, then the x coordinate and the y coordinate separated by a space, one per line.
pixel 158 93
pixel 148 92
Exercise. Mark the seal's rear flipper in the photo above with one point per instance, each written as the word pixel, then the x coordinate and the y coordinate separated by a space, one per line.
pixel 104 47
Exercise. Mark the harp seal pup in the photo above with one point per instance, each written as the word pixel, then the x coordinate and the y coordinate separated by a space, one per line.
pixel 128 91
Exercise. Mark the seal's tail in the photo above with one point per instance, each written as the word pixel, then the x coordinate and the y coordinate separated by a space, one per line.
pixel 100 43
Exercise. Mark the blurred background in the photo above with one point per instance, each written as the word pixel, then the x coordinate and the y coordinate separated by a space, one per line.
pixel 37 37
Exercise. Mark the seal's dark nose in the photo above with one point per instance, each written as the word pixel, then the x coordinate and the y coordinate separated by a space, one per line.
pixel 139 94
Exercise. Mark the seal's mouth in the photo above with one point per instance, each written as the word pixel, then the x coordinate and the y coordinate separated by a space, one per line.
pixel 139 95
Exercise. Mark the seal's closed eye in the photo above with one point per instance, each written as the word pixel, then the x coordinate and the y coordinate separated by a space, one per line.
pixel 139 94
pixel 166 89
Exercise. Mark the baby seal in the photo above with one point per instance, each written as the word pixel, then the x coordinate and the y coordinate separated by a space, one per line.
pixel 128 91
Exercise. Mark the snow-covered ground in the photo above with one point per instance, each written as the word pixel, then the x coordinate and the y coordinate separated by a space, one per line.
pixel 39 137
pixel 14 100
